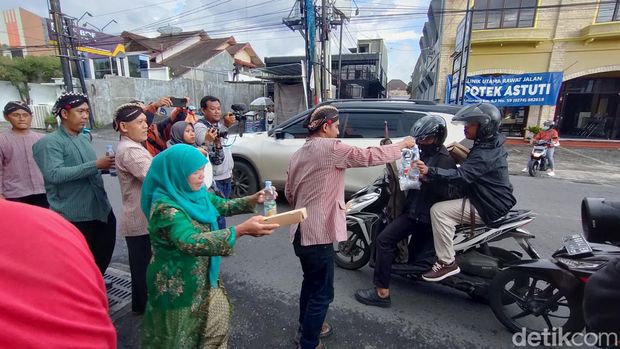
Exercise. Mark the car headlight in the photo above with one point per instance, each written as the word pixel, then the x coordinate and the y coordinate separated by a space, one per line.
pixel 357 204
pixel 571 263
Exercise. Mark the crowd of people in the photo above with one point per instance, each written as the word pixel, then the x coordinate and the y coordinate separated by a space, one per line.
pixel 173 218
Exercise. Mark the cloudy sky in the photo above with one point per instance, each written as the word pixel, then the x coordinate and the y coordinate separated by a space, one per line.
pixel 398 22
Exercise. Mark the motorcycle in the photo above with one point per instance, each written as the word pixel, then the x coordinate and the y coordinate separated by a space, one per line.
pixel 367 215
pixel 546 294
pixel 538 158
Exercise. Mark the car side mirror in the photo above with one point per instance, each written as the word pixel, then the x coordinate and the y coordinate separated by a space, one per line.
pixel 279 133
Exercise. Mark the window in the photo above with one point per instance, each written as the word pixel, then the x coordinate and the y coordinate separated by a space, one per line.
pixel 371 124
pixel 137 63
pixel 608 11
pixel 364 48
pixel 296 130
pixel 495 14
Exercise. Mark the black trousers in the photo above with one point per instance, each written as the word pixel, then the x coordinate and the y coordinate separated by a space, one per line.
pixel 101 238
pixel 139 248
pixel 36 200
pixel 387 240
pixel 317 289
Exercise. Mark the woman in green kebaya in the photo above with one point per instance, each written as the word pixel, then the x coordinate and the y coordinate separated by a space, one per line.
pixel 187 305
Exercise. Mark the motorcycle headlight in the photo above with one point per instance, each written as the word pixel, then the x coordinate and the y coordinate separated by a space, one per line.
pixel 571 263
pixel 359 203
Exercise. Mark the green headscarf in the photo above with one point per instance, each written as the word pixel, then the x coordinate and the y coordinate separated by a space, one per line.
pixel 167 178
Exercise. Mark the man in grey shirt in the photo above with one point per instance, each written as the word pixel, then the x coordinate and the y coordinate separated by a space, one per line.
pixel 215 123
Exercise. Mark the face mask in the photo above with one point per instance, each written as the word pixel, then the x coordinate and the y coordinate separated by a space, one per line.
pixel 428 148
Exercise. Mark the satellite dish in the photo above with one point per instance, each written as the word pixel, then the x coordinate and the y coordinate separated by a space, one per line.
pixel 169 30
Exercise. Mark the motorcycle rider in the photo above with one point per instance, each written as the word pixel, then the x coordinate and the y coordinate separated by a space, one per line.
pixel 430 133
pixel 550 134
pixel 483 179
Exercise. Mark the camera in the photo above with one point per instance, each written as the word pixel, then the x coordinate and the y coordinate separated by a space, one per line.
pixel 238 111
pixel 221 134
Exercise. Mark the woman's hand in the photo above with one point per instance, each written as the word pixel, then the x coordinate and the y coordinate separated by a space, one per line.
pixel 255 227
pixel 203 151
pixel 259 197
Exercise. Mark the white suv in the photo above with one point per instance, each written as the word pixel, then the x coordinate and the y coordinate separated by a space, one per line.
pixel 265 156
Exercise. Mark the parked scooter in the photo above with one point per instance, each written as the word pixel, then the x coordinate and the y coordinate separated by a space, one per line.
pixel 538 158
pixel 544 294
pixel 479 262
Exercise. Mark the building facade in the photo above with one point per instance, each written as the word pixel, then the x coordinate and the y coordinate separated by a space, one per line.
pixel 23 33
pixel 579 40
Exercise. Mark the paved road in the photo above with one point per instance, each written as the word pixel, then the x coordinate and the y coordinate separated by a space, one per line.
pixel 263 279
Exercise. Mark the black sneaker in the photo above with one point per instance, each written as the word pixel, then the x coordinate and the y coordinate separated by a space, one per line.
pixel 370 297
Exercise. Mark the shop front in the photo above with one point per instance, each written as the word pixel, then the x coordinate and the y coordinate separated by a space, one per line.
pixel 589 107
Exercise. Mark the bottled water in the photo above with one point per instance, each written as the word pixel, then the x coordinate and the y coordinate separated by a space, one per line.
pixel 408 173
pixel 110 152
pixel 414 173
pixel 270 200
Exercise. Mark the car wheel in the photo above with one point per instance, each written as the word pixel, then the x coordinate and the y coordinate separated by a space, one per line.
pixel 245 180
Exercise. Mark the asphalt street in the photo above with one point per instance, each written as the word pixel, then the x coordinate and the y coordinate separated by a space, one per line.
pixel 263 278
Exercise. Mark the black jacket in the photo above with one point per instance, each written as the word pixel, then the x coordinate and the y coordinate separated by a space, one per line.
pixel 419 202
pixel 483 178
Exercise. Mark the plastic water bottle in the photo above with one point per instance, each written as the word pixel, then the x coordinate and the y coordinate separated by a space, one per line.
pixel 110 152
pixel 414 173
pixel 408 173
pixel 406 158
pixel 270 200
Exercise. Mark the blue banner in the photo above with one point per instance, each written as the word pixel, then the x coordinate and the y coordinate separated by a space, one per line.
pixel 514 90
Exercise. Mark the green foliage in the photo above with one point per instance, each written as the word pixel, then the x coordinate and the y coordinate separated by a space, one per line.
pixel 534 129
pixel 20 71
pixel 409 87
pixel 51 120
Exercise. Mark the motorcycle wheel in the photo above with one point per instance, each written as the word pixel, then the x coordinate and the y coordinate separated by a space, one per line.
pixel 532 167
pixel 558 306
pixel 353 253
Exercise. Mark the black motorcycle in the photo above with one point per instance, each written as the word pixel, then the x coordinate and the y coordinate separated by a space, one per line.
pixel 367 215
pixel 547 294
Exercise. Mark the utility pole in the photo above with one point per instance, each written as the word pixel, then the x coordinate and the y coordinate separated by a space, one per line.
pixel 78 64
pixel 469 15
pixel 340 57
pixel 56 14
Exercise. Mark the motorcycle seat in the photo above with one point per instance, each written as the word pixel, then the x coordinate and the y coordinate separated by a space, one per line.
pixel 510 217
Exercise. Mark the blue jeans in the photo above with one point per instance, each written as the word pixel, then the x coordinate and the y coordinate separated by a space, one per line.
pixel 225 187
pixel 550 159
pixel 317 289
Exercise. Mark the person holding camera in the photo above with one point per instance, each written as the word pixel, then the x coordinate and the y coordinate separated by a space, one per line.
pixel 214 127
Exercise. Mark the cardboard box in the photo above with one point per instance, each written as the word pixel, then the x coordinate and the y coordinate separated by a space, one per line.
pixel 288 218
pixel 458 152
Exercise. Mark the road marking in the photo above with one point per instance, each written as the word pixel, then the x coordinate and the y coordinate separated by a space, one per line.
pixel 585 156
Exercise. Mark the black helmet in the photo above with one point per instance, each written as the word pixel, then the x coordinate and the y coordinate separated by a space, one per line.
pixel 485 114
pixel 430 126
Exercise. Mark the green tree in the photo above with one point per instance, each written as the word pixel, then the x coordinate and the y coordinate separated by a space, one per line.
pixel 409 87
pixel 20 71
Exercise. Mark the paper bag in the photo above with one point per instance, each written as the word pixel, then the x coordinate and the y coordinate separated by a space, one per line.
pixel 288 218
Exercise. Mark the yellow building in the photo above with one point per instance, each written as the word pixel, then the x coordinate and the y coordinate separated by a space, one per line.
pixel 578 38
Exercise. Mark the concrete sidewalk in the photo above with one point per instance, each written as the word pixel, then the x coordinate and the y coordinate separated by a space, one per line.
pixel 588 165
